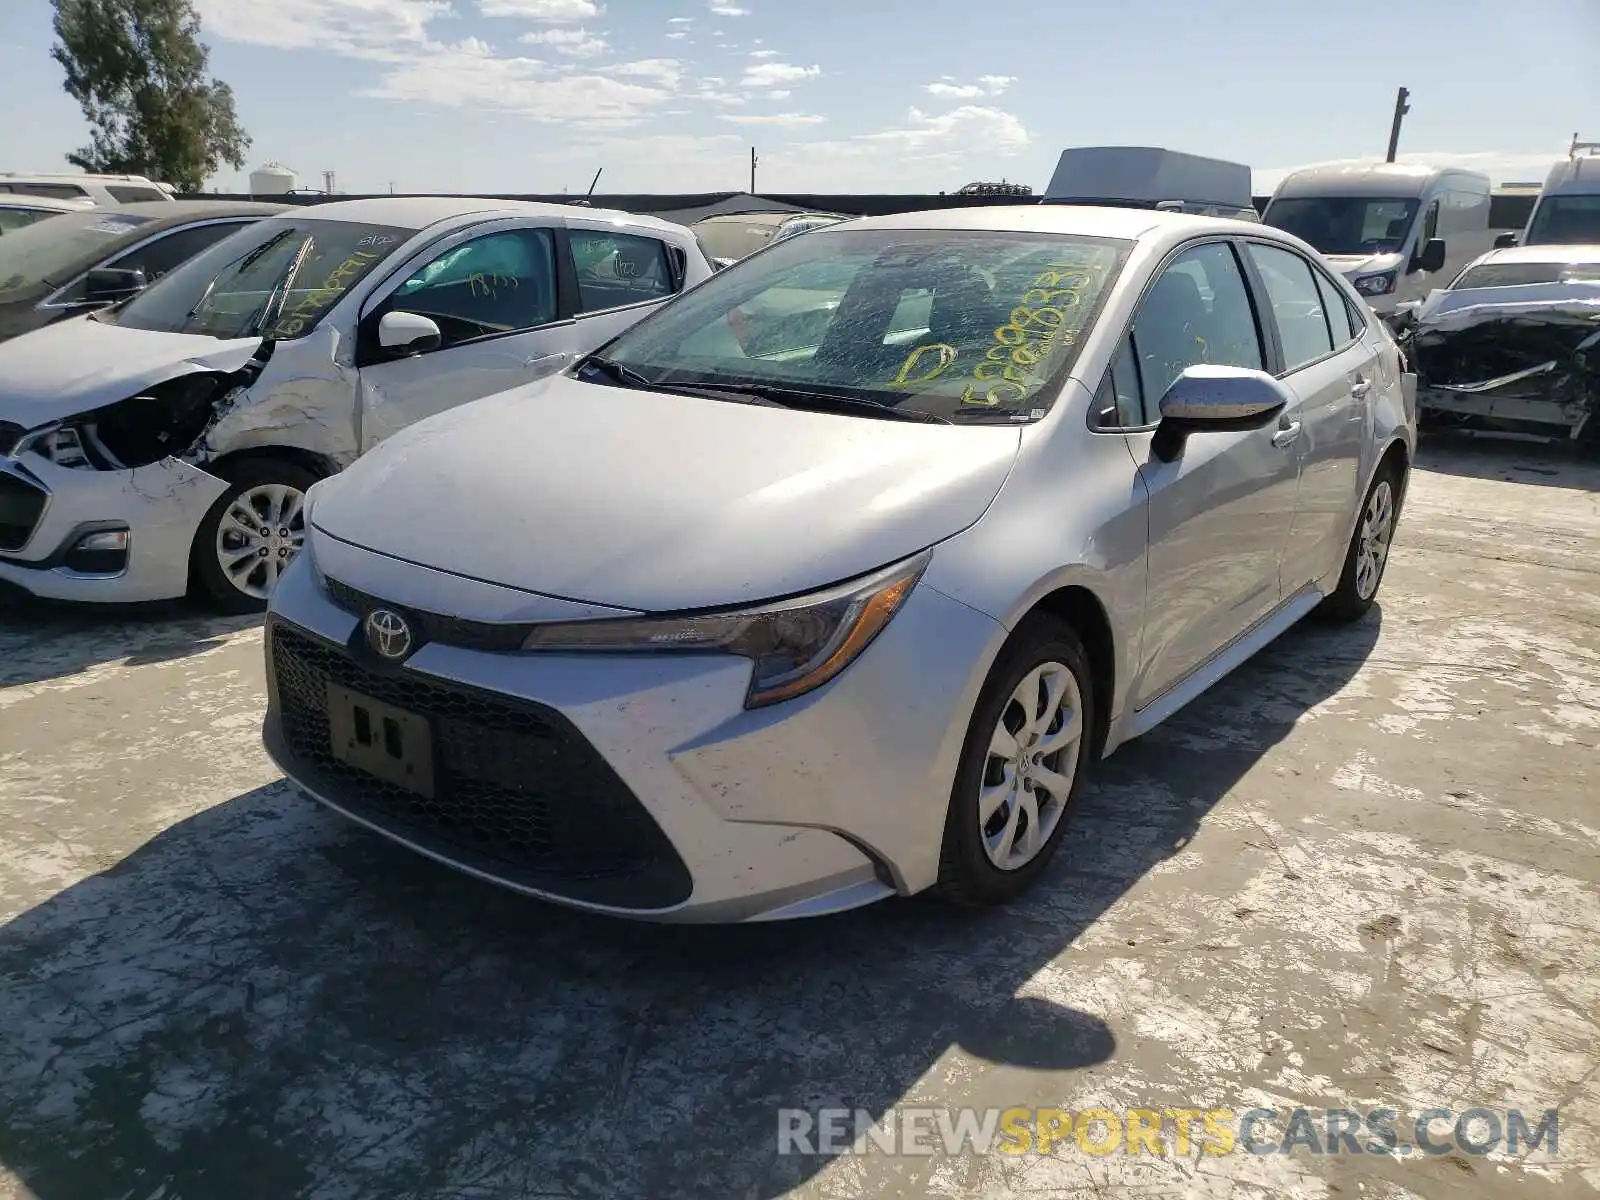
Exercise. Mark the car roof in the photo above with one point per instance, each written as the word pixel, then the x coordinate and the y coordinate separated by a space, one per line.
pixel 1554 253
pixel 163 213
pixel 44 203
pixel 1084 219
pixel 419 212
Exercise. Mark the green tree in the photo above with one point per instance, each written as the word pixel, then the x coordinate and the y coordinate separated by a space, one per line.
pixel 138 70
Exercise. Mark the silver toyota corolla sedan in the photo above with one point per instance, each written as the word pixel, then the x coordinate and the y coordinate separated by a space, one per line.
pixel 833 579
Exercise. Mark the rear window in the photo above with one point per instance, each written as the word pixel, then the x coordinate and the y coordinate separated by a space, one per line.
pixel 123 194
pixel 56 191
pixel 54 251
pixel 1525 274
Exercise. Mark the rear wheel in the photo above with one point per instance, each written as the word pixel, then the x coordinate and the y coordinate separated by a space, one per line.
pixel 1022 767
pixel 250 534
pixel 1368 553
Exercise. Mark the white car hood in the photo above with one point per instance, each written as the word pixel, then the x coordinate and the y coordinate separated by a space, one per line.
pixel 653 502
pixel 80 364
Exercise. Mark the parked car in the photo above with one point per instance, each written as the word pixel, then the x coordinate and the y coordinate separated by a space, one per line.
pixel 1395 230
pixel 164 446
pixel 93 257
pixel 729 237
pixel 97 189
pixel 693 634
pixel 19 211
pixel 1513 345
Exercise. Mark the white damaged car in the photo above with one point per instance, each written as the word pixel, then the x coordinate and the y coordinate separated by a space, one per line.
pixel 164 446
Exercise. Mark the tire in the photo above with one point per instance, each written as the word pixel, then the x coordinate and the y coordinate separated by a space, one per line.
pixel 266 487
pixel 1361 578
pixel 970 870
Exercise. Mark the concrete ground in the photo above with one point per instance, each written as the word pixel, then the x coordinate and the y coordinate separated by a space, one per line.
pixel 1363 872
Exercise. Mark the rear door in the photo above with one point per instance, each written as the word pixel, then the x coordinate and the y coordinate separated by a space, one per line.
pixel 619 277
pixel 1331 370
pixel 494 291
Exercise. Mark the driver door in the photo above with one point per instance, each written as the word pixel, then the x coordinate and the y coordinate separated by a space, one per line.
pixel 492 291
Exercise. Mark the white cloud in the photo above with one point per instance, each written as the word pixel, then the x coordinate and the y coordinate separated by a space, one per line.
pixel 383 30
pixel 676 37
pixel 763 54
pixel 541 10
pixel 666 72
pixel 680 20
pixel 927 151
pixel 1500 166
pixel 724 8
pixel 776 74
pixel 783 119
pixel 781 94
pixel 987 85
pixel 576 43
pixel 470 75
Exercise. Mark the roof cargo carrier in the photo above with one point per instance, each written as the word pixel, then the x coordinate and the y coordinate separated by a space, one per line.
pixel 1151 177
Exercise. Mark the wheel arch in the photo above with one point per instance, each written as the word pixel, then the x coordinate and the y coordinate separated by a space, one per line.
pixel 1080 608
pixel 319 465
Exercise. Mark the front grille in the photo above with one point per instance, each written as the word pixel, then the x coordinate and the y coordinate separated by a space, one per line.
pixel 519 793
pixel 21 504
pixel 435 627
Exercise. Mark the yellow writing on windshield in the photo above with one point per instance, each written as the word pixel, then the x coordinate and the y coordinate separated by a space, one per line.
pixel 1048 318
pixel 318 300
pixel 906 378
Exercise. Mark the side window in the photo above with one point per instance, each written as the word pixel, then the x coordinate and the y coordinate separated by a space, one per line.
pixel 56 191
pixel 1296 304
pixel 156 258
pixel 123 194
pixel 1120 402
pixel 1199 311
pixel 498 283
pixel 619 268
pixel 1430 225
pixel 1338 312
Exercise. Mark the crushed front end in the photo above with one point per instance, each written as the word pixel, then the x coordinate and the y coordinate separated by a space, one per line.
pixel 1509 361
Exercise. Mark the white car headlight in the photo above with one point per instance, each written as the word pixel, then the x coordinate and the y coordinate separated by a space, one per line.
pixel 1376 285
pixel 796 645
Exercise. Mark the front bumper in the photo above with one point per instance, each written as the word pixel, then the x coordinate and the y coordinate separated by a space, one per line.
pixel 713 813
pixel 161 506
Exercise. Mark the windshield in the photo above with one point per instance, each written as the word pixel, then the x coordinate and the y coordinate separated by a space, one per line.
pixel 277 278
pixel 1345 225
pixel 953 323
pixel 1566 220
pixel 53 251
pixel 1522 274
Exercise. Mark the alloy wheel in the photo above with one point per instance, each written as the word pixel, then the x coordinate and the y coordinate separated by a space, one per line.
pixel 259 535
pixel 1372 549
pixel 1033 758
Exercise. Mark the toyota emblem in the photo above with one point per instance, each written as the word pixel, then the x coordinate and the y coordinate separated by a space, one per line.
pixel 388 634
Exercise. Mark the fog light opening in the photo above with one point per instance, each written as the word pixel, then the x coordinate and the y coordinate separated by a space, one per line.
pixel 104 552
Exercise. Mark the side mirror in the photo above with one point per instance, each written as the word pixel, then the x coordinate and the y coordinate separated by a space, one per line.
pixel 107 285
pixel 403 333
pixel 1505 241
pixel 1215 399
pixel 1432 257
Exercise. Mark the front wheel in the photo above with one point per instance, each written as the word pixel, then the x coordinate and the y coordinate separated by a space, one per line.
pixel 1368 553
pixel 1022 767
pixel 250 534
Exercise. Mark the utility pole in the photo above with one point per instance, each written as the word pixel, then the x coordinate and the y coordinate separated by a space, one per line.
pixel 1401 108
pixel 594 183
pixel 753 161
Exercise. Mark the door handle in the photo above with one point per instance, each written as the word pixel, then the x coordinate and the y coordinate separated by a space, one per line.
pixel 1360 388
pixel 1287 434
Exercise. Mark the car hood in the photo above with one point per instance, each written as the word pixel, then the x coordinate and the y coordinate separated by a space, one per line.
pixel 654 502
pixel 1353 265
pixel 79 364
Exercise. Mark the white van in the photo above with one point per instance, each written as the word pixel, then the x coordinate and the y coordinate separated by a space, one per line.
pixel 1567 212
pixel 1396 230
pixel 97 189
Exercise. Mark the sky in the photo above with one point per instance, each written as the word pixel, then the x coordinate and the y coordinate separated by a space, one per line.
pixel 848 95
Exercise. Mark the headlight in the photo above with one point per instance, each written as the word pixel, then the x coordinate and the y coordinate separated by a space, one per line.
pixel 1376 285
pixel 61 444
pixel 796 645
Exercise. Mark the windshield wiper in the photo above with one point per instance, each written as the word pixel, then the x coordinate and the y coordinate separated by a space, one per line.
pixel 242 263
pixel 619 372
pixel 833 402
